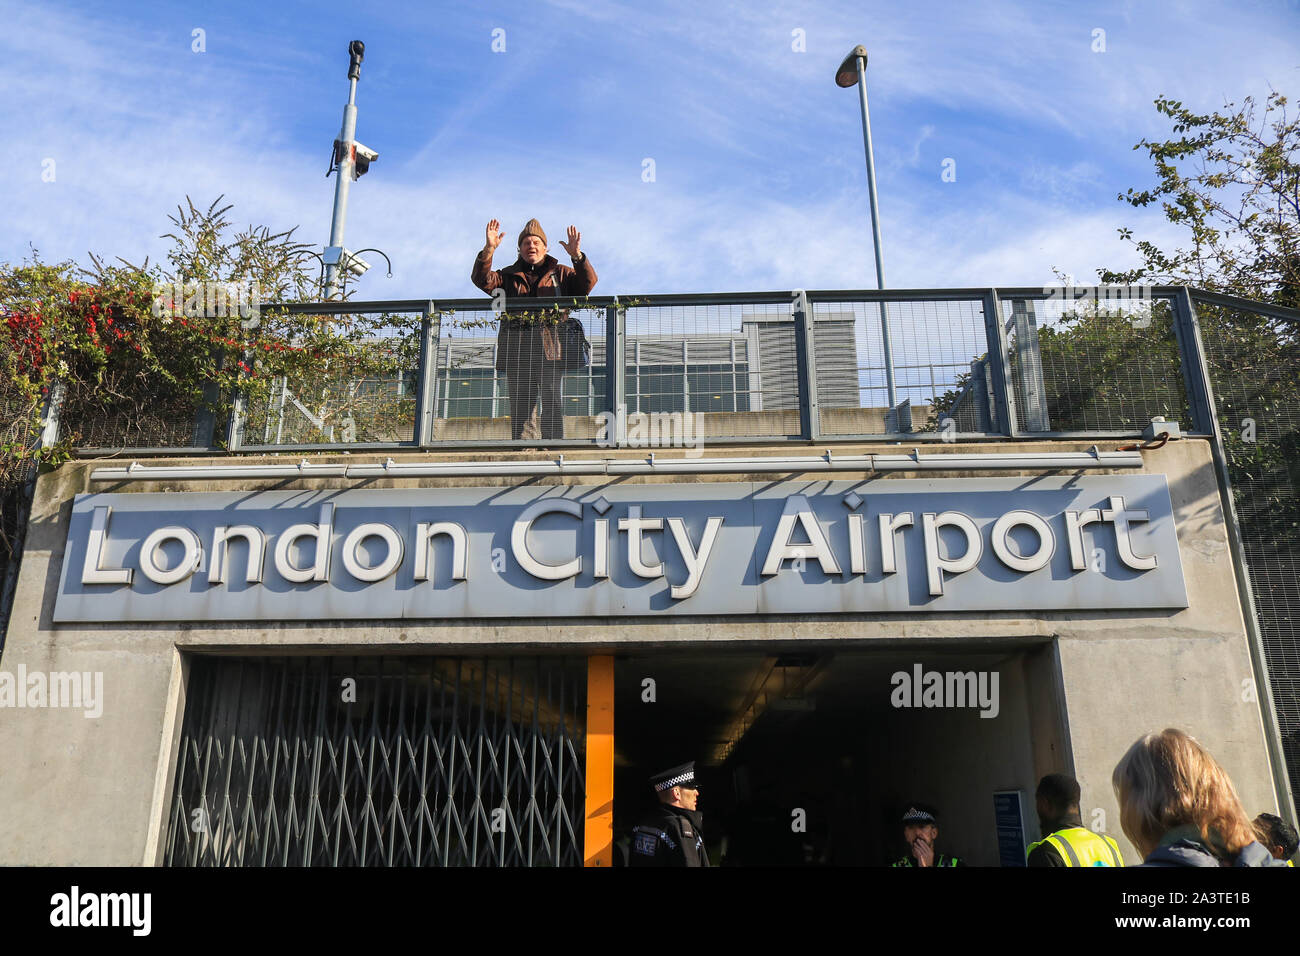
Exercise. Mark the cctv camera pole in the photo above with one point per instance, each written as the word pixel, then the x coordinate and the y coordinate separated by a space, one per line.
pixel 859 54
pixel 346 166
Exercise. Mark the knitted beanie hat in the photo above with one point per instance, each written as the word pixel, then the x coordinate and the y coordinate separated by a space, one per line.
pixel 533 228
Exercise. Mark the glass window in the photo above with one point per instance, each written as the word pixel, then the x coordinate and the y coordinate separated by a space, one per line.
pixel 661 388
pixel 712 388
pixel 468 393
pixel 584 392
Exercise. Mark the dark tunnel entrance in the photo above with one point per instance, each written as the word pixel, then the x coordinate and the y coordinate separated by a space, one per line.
pixel 810 757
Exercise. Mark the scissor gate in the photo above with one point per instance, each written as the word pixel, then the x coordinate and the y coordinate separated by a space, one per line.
pixel 380 761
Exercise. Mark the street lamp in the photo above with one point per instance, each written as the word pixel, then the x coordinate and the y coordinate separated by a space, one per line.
pixel 854 71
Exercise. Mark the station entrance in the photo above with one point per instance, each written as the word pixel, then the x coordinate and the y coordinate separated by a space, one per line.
pixel 807 755
pixel 811 756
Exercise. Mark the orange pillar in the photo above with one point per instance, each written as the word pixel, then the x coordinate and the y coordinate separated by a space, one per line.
pixel 598 838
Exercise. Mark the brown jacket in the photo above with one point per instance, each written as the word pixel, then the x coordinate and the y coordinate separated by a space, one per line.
pixel 521 279
pixel 519 343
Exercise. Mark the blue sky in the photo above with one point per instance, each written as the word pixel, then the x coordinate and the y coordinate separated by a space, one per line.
pixel 759 176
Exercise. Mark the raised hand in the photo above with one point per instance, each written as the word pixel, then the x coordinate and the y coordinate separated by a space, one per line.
pixel 494 235
pixel 571 247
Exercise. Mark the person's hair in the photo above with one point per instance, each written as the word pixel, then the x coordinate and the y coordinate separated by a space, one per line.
pixel 1274 831
pixel 1060 790
pixel 1168 780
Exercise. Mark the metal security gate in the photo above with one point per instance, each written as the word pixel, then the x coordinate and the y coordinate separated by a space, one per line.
pixel 380 761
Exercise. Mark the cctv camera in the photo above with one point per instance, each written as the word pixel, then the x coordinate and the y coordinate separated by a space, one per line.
pixel 355 264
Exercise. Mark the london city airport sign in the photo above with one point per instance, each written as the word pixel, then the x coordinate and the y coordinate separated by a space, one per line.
pixel 781 547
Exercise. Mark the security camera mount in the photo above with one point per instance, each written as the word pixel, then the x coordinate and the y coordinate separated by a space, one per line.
pixel 352 160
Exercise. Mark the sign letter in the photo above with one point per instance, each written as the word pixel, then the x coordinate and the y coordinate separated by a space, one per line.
pixel 936 565
pixel 519 539
pixel 93 571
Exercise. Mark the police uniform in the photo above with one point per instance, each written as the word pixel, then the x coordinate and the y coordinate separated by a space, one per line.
pixel 1074 846
pixel 669 835
pixel 922 817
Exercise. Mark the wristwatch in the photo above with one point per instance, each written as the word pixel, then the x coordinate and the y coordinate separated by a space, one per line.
pixel 578 257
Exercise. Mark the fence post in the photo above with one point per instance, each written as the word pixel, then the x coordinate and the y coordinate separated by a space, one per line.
pixel 235 427
pixel 998 366
pixel 205 419
pixel 1033 390
pixel 616 374
pixel 50 416
pixel 425 396
pixel 1196 375
pixel 981 392
pixel 805 351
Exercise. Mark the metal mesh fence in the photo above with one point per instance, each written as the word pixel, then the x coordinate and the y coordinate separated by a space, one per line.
pixel 1254 364
pixel 366 392
pixel 527 375
pixel 1108 363
pixel 380 762
pixel 143 412
pixel 935 344
pixel 711 368
pixel 17 481
pixel 731 368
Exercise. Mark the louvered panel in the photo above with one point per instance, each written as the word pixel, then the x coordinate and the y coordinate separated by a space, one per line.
pixel 837 364
pixel 777 365
pixel 657 351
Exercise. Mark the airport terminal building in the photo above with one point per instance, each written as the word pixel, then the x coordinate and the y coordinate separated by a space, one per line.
pixel 843 572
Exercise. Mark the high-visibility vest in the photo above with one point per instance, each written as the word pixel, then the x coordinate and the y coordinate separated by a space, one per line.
pixel 1079 846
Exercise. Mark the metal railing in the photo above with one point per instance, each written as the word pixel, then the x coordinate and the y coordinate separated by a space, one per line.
pixel 969 364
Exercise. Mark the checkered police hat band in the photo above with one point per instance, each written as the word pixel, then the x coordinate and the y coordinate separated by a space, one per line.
pixel 676 781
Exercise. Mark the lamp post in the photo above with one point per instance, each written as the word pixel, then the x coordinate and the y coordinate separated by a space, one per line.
pixel 352 160
pixel 854 71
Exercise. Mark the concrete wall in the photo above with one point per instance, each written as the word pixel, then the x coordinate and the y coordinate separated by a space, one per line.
pixel 93 791
pixel 768 423
pixel 910 763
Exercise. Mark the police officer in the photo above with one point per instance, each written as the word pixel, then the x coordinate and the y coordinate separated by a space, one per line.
pixel 920 831
pixel 1067 842
pixel 671 835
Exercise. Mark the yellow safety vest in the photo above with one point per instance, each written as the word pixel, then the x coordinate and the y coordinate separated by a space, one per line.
pixel 1079 846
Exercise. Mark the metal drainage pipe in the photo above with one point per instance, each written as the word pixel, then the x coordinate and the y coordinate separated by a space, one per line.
pixel 640 466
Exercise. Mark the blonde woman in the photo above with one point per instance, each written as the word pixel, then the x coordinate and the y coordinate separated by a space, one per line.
pixel 1179 808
